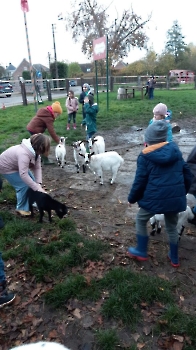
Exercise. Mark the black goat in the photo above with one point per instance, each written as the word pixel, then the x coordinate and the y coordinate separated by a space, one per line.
pixel 45 203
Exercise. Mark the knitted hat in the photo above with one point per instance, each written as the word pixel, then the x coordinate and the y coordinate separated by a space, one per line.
pixel 41 346
pixel 56 107
pixel 160 109
pixel 156 132
pixel 91 99
pixel 86 86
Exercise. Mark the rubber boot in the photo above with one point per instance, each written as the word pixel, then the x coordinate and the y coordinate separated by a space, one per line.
pixel 5 297
pixel 46 161
pixel 139 252
pixel 74 126
pixel 173 255
pixel 68 126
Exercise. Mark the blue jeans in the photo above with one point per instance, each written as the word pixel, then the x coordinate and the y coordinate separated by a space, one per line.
pixel 151 93
pixel 70 116
pixel 89 135
pixel 171 220
pixel 21 189
pixel 2 272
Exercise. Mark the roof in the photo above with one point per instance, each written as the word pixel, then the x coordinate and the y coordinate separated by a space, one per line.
pixel 10 67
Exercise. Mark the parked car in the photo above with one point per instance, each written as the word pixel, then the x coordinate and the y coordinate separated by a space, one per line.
pixel 72 83
pixel 6 89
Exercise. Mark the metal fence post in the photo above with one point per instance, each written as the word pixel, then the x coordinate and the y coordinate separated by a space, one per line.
pixel 48 88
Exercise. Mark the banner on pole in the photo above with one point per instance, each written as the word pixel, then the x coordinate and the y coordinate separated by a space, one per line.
pixel 24 5
pixel 99 48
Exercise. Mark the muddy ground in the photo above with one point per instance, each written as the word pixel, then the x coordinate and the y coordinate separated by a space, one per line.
pixel 102 211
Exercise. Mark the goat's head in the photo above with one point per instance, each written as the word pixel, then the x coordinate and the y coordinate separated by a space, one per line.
pixel 91 142
pixel 88 157
pixel 62 140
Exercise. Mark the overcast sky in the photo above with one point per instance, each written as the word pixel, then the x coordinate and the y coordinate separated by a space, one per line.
pixel 43 13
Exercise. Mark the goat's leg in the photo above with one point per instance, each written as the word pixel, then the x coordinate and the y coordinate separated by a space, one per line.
pixel 114 174
pixel 158 227
pixel 49 216
pixel 41 214
pixel 181 232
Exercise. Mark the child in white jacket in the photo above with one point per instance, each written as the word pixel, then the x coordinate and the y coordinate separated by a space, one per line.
pixel 72 108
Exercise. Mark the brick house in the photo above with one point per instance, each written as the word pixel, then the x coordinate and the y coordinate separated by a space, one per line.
pixel 25 66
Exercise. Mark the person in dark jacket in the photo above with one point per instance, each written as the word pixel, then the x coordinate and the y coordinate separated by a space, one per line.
pixel 44 119
pixel 85 91
pixel 191 160
pixel 160 186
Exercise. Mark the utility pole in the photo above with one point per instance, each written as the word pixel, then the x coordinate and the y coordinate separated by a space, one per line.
pixel 55 58
pixel 49 55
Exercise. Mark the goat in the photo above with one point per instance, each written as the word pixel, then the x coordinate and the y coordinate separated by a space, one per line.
pixel 104 161
pixel 79 151
pixel 45 203
pixel 60 152
pixel 96 145
pixel 183 216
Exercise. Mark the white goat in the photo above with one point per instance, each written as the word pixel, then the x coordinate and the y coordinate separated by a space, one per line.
pixel 104 161
pixel 183 216
pixel 60 152
pixel 79 151
pixel 96 145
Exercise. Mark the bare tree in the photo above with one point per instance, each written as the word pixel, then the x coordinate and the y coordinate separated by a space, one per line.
pixel 90 21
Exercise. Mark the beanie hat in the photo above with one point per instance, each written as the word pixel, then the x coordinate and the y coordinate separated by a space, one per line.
pixel 56 107
pixel 91 99
pixel 41 346
pixel 87 86
pixel 160 109
pixel 156 132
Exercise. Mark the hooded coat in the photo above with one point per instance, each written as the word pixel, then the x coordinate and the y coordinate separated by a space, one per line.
pixel 21 158
pixel 90 117
pixel 162 179
pixel 44 119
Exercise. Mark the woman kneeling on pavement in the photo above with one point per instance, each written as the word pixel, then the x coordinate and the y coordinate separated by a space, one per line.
pixel 20 165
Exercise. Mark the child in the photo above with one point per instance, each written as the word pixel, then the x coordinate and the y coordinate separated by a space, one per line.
pixel 161 183
pixel 91 109
pixel 160 112
pixel 85 91
pixel 72 108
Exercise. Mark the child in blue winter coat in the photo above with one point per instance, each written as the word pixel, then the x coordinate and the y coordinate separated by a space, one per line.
pixel 161 183
pixel 160 112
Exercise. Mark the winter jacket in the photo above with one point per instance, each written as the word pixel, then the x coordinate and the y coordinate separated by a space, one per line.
pixel 162 179
pixel 191 160
pixel 90 117
pixel 21 158
pixel 44 119
pixel 169 132
pixel 71 105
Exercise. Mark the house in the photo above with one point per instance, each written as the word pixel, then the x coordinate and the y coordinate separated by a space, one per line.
pixel 25 66
pixel 119 65
pixel 86 67
pixel 182 75
pixel 10 70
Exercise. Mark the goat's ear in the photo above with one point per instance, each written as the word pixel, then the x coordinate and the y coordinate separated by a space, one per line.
pixel 92 154
pixel 94 140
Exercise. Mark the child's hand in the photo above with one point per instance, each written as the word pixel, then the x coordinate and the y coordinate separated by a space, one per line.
pixel 86 99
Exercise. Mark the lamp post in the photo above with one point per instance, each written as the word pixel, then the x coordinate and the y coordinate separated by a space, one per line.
pixel 55 58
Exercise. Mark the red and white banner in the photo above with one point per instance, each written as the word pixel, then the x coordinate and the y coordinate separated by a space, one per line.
pixel 24 5
pixel 99 48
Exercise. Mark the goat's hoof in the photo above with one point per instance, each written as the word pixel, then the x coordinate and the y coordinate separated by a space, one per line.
pixel 159 230
pixel 152 233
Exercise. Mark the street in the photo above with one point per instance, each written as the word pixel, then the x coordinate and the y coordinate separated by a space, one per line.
pixel 16 98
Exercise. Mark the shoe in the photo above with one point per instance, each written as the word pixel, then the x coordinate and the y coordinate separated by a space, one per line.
pixel 140 251
pixel 23 212
pixel 68 126
pixel 74 126
pixel 173 255
pixel 5 297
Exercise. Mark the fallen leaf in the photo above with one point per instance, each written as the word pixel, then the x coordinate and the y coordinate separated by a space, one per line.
pixel 140 345
pixel 135 336
pixel 53 334
pixel 178 337
pixel 147 330
pixel 177 346
pixel 76 313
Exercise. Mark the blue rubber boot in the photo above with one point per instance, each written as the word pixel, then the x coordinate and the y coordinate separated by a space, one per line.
pixel 173 255
pixel 139 252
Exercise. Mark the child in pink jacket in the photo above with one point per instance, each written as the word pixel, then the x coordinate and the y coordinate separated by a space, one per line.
pixel 72 108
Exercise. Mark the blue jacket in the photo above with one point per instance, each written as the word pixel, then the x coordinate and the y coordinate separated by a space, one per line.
pixel 90 117
pixel 169 132
pixel 162 179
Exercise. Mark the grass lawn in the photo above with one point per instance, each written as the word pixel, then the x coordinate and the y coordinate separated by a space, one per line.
pixel 57 252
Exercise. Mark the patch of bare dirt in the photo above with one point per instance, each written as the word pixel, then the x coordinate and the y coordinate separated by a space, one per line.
pixel 102 212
